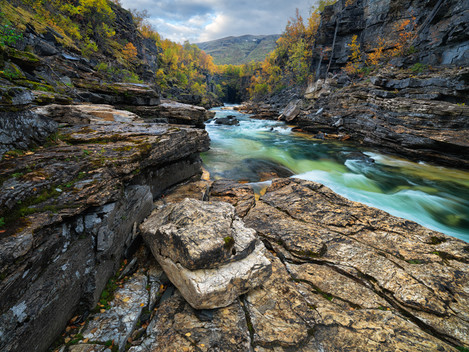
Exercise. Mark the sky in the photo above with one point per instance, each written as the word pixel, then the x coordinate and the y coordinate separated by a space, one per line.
pixel 204 20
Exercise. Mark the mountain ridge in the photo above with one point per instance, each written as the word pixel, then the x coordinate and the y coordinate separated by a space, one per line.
pixel 235 50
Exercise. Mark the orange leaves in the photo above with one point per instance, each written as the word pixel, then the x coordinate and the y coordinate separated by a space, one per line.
pixel 129 52
pixel 374 58
pixel 355 57
pixel 406 34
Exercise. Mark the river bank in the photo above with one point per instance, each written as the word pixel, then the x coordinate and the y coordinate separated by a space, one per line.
pixel 256 151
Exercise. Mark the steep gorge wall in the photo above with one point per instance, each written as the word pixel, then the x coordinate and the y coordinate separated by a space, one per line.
pixel 442 29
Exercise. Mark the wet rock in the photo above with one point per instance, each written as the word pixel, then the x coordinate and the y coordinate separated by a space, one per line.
pixel 206 251
pixel 228 121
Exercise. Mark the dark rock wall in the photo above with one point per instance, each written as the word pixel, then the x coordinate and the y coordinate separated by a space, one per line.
pixel 22 129
pixel 442 30
pixel 59 260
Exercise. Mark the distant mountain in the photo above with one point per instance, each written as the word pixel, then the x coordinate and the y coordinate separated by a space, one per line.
pixel 239 50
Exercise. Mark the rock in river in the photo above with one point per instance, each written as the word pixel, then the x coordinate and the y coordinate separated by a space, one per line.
pixel 206 251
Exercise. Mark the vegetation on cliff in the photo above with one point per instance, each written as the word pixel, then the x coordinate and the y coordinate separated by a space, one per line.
pixel 122 45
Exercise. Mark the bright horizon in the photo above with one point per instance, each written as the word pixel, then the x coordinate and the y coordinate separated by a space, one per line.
pixel 206 20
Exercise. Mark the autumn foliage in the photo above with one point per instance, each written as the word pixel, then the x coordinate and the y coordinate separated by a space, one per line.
pixel 129 53
pixel 359 62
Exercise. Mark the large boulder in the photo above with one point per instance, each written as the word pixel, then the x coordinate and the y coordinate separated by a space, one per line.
pixel 174 112
pixel 228 121
pixel 291 111
pixel 206 251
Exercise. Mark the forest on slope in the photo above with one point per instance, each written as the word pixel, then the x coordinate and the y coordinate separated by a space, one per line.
pixel 124 47
pixel 239 50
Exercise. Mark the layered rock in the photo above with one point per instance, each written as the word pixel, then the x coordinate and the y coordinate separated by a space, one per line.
pixel 19 130
pixel 344 275
pixel 424 117
pixel 367 275
pixel 440 37
pixel 206 251
pixel 70 211
pixel 174 112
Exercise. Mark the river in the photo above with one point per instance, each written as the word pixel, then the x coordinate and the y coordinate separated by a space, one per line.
pixel 257 150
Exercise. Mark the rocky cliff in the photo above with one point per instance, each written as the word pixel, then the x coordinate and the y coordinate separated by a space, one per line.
pixel 441 31
pixel 414 104
pixel 70 210
pixel 343 276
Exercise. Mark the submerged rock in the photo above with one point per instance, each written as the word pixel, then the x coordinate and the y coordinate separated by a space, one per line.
pixel 206 251
pixel 228 121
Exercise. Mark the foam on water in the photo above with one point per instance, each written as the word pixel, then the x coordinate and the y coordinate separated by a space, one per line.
pixel 433 196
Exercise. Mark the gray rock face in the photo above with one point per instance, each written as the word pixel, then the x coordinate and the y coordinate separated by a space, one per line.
pixel 206 251
pixel 440 37
pixel 198 235
pixel 59 249
pixel 174 112
pixel 119 321
pixel 19 130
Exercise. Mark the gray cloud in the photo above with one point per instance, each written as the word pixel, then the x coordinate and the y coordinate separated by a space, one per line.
pixel 203 20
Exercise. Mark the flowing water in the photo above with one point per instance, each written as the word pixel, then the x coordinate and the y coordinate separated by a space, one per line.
pixel 257 150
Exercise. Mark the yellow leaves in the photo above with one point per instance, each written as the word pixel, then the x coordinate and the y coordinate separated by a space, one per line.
pixel 129 52
pixel 355 57
pixel 377 54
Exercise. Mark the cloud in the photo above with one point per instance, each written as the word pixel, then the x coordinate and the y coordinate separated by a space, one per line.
pixel 203 20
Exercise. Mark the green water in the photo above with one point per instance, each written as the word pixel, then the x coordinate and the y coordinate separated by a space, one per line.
pixel 435 197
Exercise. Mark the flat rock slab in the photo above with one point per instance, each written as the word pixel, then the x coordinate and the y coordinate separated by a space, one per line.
pixel 369 276
pixel 198 235
pixel 86 113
